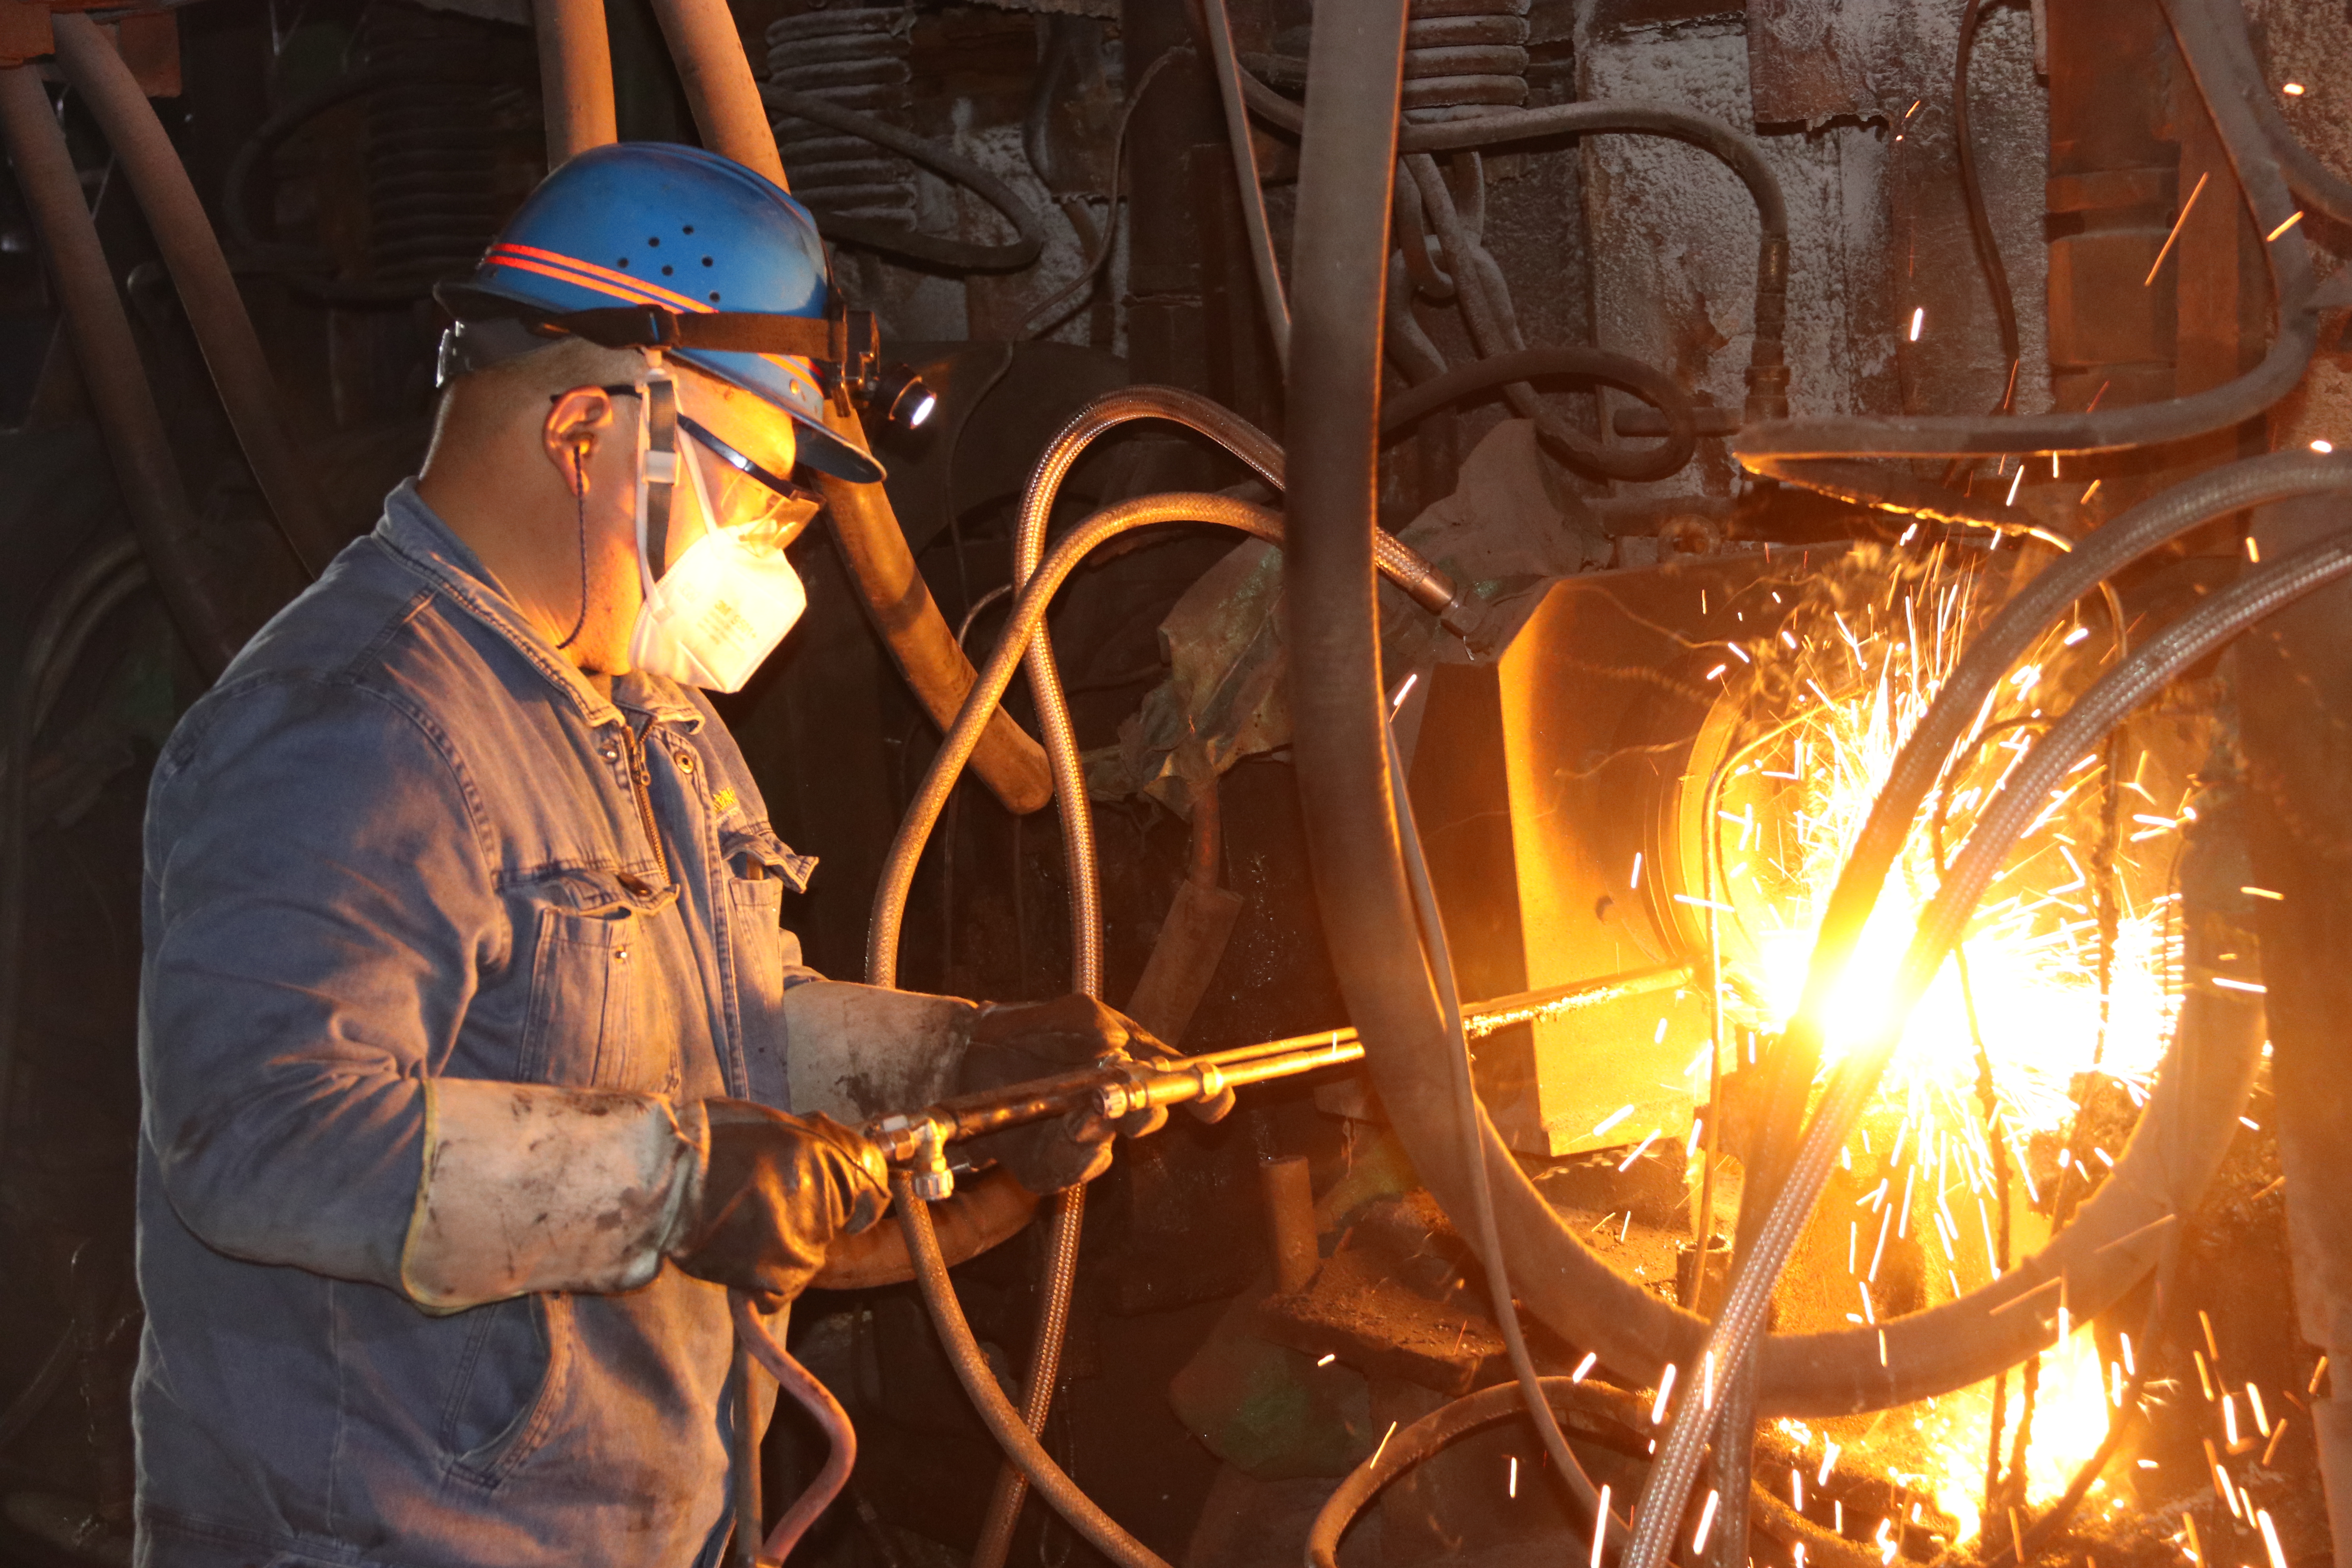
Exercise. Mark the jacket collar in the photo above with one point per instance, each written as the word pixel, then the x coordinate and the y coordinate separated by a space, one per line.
pixel 415 534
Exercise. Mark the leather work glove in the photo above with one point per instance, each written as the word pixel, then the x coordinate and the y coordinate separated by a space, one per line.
pixel 777 1192
pixel 1012 1043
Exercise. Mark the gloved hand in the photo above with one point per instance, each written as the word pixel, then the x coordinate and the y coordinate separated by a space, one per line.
pixel 777 1192
pixel 1011 1043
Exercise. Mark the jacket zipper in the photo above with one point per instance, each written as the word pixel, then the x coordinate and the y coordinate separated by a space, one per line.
pixel 641 782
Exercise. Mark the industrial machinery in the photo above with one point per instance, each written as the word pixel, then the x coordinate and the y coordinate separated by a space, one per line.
pixel 1699 645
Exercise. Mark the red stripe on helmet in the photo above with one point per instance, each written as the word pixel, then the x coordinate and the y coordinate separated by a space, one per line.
pixel 588 274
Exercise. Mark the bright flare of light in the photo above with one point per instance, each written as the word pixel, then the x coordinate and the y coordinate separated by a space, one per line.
pixel 2069 1421
pixel 2323 447
pixel 1793 802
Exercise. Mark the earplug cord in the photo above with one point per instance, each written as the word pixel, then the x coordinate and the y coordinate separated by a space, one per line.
pixel 580 510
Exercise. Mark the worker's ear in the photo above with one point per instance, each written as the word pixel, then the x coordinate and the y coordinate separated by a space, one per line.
pixel 578 423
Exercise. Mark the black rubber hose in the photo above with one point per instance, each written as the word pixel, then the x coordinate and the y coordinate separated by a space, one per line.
pixel 1767 370
pixel 1415 1446
pixel 302 266
pixel 1651 385
pixel 2327 192
pixel 1600 117
pixel 1771 450
pixel 932 249
pixel 2004 302
pixel 996 1412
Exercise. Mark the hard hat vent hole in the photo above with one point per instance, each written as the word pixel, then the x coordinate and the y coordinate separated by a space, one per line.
pixel 705 262
pixel 688 229
pixel 667 270
pixel 653 241
pixel 624 261
pixel 714 299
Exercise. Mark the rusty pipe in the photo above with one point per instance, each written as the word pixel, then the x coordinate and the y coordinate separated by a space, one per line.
pixel 575 76
pixel 716 76
pixel 875 549
pixel 176 216
pixel 115 381
pixel 978 1217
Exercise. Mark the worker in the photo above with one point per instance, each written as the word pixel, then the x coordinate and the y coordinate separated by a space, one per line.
pixel 466 1009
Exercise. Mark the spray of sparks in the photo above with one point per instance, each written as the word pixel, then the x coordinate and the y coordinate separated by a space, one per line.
pixel 1842 685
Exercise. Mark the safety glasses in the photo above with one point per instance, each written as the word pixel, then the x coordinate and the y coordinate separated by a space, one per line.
pixel 768 509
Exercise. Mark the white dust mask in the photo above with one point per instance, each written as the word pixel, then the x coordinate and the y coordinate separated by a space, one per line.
pixel 722 609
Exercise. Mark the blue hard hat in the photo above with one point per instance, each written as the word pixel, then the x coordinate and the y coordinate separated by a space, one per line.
pixel 678 229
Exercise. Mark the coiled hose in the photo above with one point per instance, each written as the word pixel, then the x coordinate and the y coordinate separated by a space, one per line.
pixel 1417 1444
pixel 2024 794
pixel 932 249
pixel 1059 1273
pixel 1023 624
pixel 1014 1430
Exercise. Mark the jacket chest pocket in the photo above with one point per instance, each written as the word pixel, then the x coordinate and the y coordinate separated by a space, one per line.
pixel 767 956
pixel 596 1008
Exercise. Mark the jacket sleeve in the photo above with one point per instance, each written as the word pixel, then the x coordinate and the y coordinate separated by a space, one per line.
pixel 856 1052
pixel 317 903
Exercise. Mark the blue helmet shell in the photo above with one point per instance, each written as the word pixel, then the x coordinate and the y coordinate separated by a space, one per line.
pixel 654 223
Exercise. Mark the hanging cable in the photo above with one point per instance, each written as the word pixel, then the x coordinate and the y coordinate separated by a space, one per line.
pixel 2004 302
pixel 1245 180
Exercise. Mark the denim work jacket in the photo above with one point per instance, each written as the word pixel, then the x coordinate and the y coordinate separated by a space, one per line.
pixel 401 840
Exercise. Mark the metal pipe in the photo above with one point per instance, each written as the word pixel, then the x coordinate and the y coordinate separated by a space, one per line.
pixel 112 375
pixel 719 88
pixel 575 76
pixel 184 235
pixel 1114 1091
pixel 1290 1221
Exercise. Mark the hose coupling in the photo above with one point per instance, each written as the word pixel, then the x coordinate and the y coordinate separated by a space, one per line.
pixel 920 1141
pixel 1149 1089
